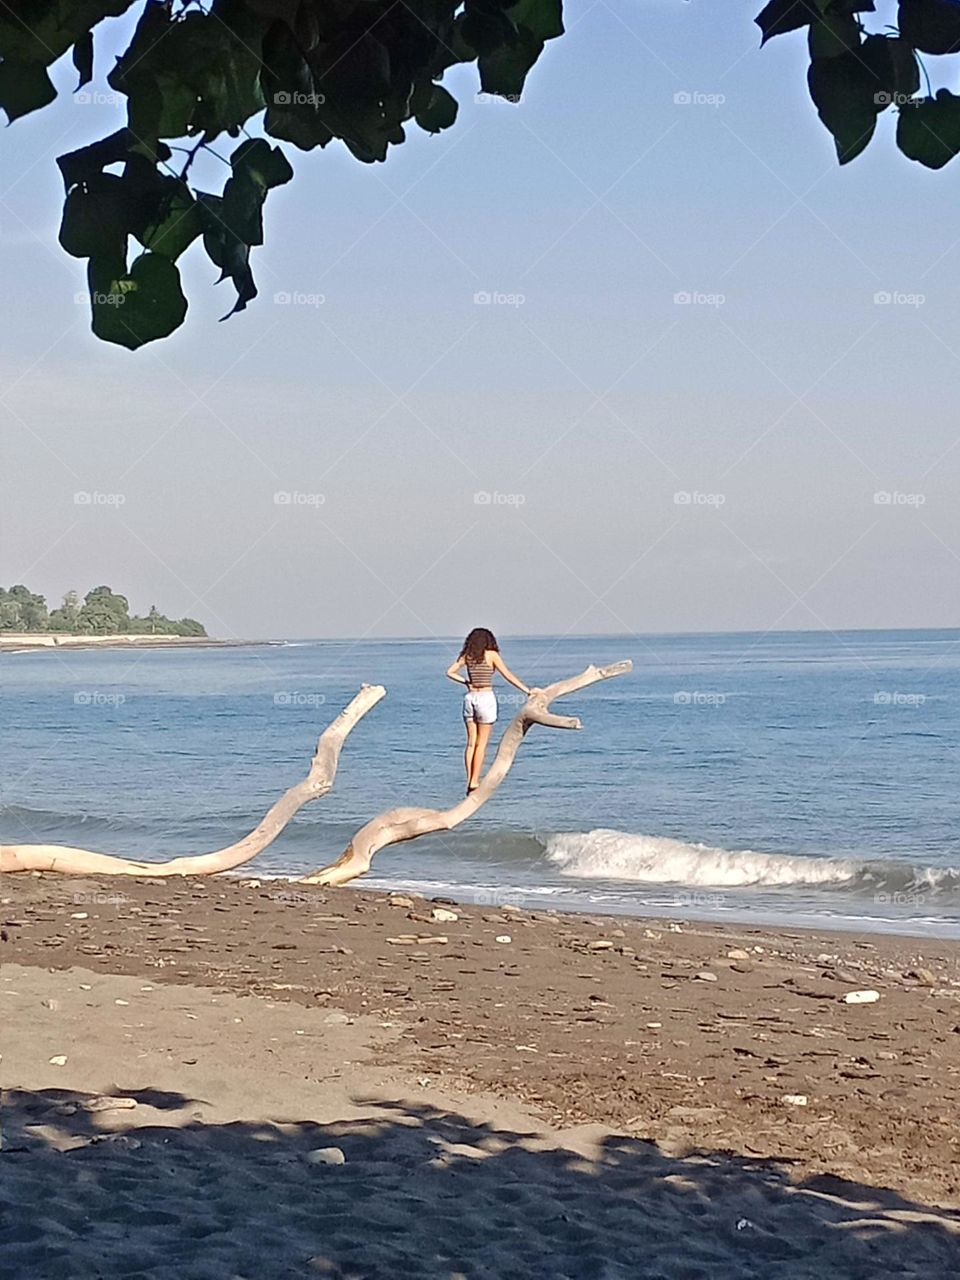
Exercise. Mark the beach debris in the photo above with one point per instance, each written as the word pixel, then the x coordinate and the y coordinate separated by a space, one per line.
pixel 601 944
pixel 794 1099
pixel 100 1103
pixel 738 953
pixel 79 915
pixel 443 915
pixel 58 1060
pixel 85 986
pixel 654 1026
pixel 926 977
pixel 326 1155
pixel 53 1005
pixel 861 997
pixel 337 1019
pixel 421 940
pixel 121 1002
pixel 504 937
pixel 250 884
pixel 705 976
pixel 401 900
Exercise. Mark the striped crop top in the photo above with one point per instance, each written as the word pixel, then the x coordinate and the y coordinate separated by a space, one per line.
pixel 480 674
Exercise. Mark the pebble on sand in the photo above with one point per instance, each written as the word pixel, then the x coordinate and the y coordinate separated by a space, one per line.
pixel 58 1060
pixel 861 997
pixel 443 915
pixel 326 1155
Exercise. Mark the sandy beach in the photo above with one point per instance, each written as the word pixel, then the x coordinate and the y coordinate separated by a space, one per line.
pixel 258 1079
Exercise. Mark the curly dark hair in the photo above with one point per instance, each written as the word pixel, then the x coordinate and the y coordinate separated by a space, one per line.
pixel 477 643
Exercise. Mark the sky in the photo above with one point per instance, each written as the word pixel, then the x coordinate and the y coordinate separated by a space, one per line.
pixel 631 356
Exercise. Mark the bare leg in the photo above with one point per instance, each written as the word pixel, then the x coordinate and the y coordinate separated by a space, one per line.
pixel 479 751
pixel 471 746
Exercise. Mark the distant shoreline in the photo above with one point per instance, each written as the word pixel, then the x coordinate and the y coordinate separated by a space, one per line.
pixel 30 642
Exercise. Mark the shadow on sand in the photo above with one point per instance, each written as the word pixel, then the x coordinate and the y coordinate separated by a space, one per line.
pixel 422 1195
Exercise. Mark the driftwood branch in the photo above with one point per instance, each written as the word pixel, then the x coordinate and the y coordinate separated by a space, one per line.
pixel 319 780
pixel 407 824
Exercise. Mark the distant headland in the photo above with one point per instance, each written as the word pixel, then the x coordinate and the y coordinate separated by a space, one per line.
pixel 100 619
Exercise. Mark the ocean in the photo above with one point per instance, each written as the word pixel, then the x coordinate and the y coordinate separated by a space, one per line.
pixel 803 778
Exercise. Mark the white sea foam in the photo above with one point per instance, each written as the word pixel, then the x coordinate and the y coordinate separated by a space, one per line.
pixel 619 855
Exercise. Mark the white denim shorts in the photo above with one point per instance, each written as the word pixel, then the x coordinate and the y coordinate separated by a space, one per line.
pixel 480 706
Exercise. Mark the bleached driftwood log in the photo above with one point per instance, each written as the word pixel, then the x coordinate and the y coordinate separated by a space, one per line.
pixel 397 825
pixel 319 780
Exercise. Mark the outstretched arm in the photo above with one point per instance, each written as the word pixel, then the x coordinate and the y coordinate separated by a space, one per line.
pixel 453 669
pixel 501 666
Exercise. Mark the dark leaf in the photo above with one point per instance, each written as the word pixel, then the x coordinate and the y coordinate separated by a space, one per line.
pixel 844 91
pixel 95 219
pixel 780 16
pixel 83 59
pixel 24 87
pixel 932 26
pixel 136 306
pixel 505 71
pixel 929 130
pixel 439 112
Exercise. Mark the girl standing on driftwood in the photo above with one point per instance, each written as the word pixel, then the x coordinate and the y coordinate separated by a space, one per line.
pixel 480 656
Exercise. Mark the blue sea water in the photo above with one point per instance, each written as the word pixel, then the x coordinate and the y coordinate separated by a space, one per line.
pixel 802 778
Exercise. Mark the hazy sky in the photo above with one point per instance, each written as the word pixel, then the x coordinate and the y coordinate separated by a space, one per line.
pixel 780 401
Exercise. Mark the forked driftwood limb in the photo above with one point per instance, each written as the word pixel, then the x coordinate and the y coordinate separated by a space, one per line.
pixel 319 780
pixel 406 824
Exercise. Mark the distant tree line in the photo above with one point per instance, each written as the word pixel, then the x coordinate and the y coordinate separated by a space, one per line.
pixel 101 613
